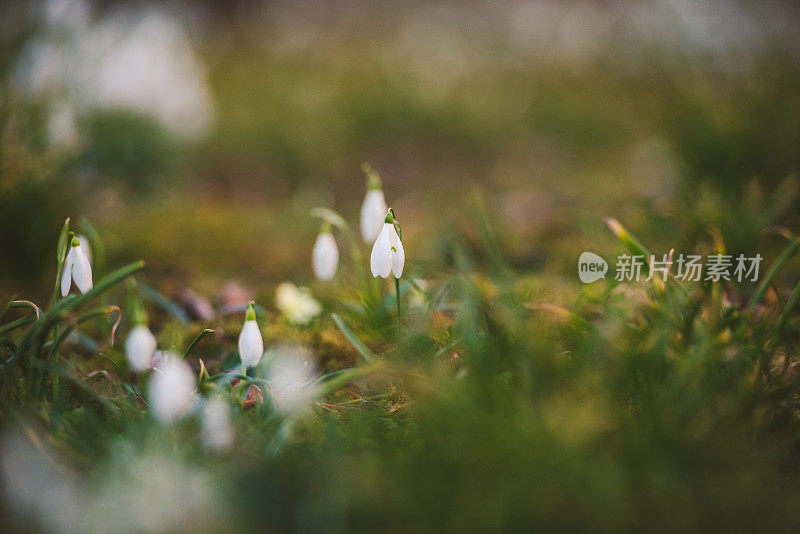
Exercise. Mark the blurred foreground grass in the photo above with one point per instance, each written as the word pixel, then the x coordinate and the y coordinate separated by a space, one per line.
pixel 518 399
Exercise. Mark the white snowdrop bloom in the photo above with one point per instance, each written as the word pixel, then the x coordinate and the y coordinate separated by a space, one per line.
pixel 373 210
pixel 77 268
pixel 86 247
pixel 325 257
pixel 66 15
pixel 216 431
pixel 171 390
pixel 159 357
pixel 387 255
pixel 140 348
pixel 35 488
pixel 296 303
pixel 292 375
pixel 152 488
pixel 251 344
pixel 140 60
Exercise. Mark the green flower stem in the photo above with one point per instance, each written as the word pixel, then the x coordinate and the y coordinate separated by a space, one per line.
pixel 61 254
pixel 399 320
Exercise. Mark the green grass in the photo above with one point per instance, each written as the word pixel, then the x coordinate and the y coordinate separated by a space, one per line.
pixel 647 406
pixel 516 398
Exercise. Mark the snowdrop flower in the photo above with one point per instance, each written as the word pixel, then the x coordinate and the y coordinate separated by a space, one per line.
pixel 151 488
pixel 387 252
pixel 251 344
pixel 374 207
pixel 296 303
pixel 325 257
pixel 108 64
pixel 171 390
pixel 215 429
pixel 140 348
pixel 86 247
pixel 292 375
pixel 76 267
pixel 159 357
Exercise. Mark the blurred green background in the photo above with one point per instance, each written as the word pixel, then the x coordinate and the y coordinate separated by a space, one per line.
pixel 198 135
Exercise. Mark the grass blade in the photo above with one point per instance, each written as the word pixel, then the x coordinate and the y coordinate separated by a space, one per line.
pixel 362 349
pixel 331 217
pixel 200 336
pixel 163 302
pixel 91 314
pixel 61 254
pixel 35 316
pixel 787 310
pixel 22 321
pixel 26 304
pixel 631 243
pixel 75 301
pixel 785 256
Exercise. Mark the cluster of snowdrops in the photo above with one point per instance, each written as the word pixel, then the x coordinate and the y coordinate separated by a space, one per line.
pixel 173 390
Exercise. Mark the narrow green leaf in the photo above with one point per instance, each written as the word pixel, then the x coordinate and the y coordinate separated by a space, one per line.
pixel 163 302
pixel 35 316
pixel 631 243
pixel 37 311
pixel 200 336
pixel 785 256
pixel 353 339
pixel 91 314
pixel 8 327
pixel 61 254
pixel 787 310
pixel 75 301
pixel 345 377
pixel 330 216
pixel 61 250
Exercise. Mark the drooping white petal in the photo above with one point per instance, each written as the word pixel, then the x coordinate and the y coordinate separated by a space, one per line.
pixel 398 255
pixel 171 390
pixel 325 257
pixel 381 257
pixel 140 348
pixel 159 357
pixel 85 247
pixel 66 273
pixel 216 430
pixel 385 264
pixel 81 270
pixel 373 211
pixel 251 344
pixel 373 260
pixel 296 303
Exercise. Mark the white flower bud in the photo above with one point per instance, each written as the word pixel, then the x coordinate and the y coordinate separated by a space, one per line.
pixel 216 430
pixel 325 257
pixel 171 390
pixel 373 210
pixel 140 348
pixel 292 377
pixel 251 344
